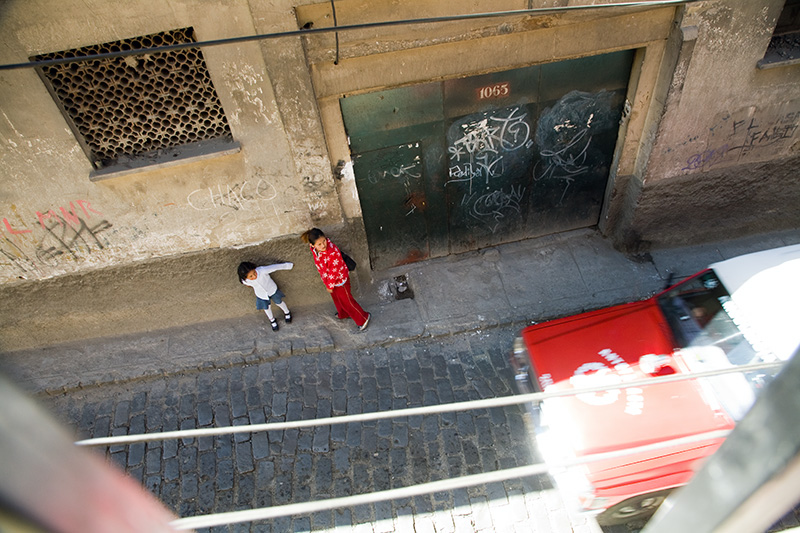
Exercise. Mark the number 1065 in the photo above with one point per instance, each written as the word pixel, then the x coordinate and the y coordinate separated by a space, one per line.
pixel 497 90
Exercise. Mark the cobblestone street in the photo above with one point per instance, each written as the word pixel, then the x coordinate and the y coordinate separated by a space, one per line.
pixel 244 471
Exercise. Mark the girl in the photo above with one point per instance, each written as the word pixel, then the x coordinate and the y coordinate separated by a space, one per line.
pixel 335 276
pixel 266 290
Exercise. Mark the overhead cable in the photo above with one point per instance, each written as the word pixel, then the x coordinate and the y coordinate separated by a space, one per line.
pixel 337 29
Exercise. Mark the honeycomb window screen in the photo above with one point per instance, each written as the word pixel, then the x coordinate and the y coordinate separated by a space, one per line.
pixel 125 108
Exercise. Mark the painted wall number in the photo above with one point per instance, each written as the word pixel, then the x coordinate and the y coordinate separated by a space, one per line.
pixel 498 90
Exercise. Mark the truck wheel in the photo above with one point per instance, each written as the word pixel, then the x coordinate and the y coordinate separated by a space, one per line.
pixel 636 508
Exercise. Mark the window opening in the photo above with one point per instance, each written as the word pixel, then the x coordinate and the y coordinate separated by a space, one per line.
pixel 129 108
pixel 784 47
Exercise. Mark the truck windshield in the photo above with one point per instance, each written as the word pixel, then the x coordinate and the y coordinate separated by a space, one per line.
pixel 702 316
pixel 697 313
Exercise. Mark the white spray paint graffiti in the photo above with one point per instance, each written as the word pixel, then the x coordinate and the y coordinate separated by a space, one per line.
pixel 233 199
pixel 399 171
pixel 478 153
pixel 491 208
pixel 485 152
pixel 564 136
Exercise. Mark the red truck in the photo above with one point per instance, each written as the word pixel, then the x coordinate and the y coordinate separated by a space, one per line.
pixel 739 311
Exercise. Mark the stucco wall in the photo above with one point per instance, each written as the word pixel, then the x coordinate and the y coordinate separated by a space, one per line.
pixel 54 220
pixel 724 162
pixel 80 258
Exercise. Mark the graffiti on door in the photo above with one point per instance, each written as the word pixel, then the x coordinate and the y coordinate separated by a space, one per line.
pixel 564 136
pixel 484 141
pixel 485 150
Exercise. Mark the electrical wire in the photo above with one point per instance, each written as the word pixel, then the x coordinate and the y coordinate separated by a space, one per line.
pixel 336 29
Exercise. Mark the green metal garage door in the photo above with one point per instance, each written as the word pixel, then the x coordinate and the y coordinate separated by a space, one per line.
pixel 459 165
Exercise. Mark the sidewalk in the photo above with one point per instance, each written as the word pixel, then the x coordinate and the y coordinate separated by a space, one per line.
pixel 511 284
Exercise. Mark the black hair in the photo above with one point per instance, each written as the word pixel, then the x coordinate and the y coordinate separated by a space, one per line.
pixel 311 236
pixel 244 268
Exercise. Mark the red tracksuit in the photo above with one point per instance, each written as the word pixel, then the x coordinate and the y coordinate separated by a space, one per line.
pixel 335 276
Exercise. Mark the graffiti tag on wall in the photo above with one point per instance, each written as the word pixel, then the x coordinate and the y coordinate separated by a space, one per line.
pixel 747 135
pixel 66 233
pixel 228 201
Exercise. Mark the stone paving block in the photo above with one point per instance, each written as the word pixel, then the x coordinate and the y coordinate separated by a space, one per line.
pixel 323 475
pixel 294 411
pixel 369 439
pixel 244 435
pixel 152 460
pixel 309 395
pixel 424 523
pixel 354 405
pixel 222 416
pixel 338 376
pixel 205 414
pixel 206 464
pixel 404 519
pixel 369 389
pixel 153 485
pixel 444 390
pixel 338 432
pixel 342 518
pixel 260 443
pixel 121 413
pixel 481 513
pixel 423 504
pixel 187 425
pixel 384 428
pixel 400 434
pixel 189 486
pixel 135 453
pixel 538 514
pixel 428 380
pixel 289 442
pixel 321 439
pixel 399 385
pixel 339 404
pixel 187 457
pixel 118 448
pixel 245 490
pixel 279 404
pixel 305 440
pixel 369 407
pixel 205 496
pixel 253 394
pixel 171 469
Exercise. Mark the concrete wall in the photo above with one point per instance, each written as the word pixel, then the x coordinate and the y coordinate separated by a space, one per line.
pixel 279 183
pixel 158 248
pixel 725 158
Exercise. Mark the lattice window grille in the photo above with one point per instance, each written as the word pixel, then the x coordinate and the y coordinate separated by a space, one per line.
pixel 124 108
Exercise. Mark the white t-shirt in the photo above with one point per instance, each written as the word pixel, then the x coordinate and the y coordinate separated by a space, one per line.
pixel 263 284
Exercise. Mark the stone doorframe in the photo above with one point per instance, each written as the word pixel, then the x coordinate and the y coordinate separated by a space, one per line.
pixel 370 60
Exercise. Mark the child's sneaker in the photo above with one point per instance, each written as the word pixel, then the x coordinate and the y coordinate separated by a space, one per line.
pixel 288 318
pixel 274 324
pixel 363 326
